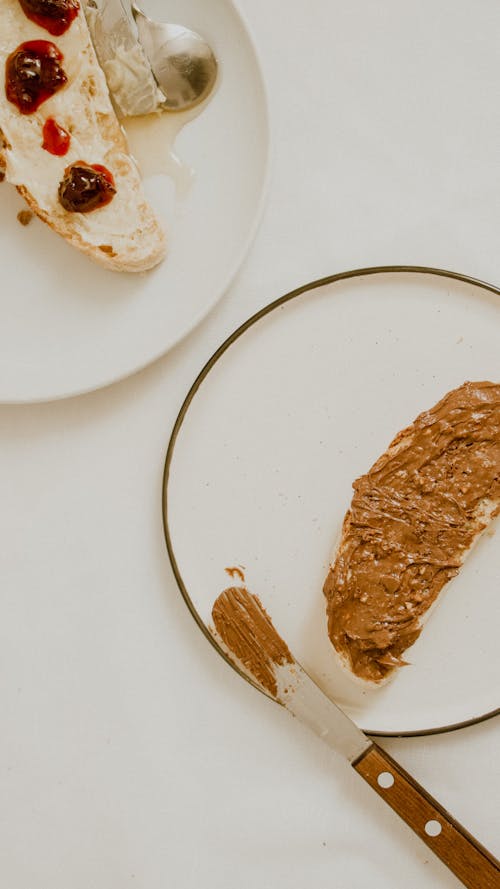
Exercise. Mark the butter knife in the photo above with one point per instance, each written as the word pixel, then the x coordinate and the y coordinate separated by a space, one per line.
pixel 245 631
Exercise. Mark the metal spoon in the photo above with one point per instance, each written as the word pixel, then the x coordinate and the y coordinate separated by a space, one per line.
pixel 182 62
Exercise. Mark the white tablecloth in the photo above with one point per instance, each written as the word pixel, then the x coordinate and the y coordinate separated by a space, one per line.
pixel 130 755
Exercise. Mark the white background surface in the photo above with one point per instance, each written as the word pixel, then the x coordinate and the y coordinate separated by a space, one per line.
pixel 130 755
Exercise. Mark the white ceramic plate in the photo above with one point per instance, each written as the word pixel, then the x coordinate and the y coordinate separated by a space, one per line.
pixel 69 326
pixel 294 406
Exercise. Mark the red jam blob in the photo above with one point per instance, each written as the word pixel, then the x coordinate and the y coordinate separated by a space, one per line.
pixel 86 187
pixel 53 15
pixel 33 73
pixel 56 139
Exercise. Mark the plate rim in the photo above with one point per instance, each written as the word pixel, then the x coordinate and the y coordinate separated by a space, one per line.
pixel 233 269
pixel 202 375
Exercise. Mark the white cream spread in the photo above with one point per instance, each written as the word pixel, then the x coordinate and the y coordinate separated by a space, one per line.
pixel 130 80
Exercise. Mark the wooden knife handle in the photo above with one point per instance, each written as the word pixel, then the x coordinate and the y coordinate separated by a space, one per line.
pixel 464 856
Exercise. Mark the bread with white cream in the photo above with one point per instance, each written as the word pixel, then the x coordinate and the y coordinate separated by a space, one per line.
pixel 117 227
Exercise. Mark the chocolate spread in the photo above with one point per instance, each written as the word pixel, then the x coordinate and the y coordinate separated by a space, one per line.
pixel 245 628
pixel 412 519
pixel 236 572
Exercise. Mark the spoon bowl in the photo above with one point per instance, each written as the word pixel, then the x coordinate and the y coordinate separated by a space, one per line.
pixel 182 62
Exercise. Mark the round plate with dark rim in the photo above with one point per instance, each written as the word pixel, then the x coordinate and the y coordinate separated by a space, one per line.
pixel 296 404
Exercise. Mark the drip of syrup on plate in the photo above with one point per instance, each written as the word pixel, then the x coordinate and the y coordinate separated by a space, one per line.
pixel 151 139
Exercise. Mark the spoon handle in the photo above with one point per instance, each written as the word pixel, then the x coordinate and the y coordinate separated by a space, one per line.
pixel 462 854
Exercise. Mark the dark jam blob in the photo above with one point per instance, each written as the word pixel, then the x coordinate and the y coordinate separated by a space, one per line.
pixel 86 187
pixel 53 15
pixel 33 73
pixel 56 139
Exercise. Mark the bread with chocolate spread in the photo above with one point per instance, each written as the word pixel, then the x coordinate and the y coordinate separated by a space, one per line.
pixel 412 521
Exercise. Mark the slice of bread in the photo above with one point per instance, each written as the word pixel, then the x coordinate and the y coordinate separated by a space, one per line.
pixel 123 235
pixel 414 518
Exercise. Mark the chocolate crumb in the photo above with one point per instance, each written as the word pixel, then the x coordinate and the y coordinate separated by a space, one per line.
pixel 237 572
pixel 25 216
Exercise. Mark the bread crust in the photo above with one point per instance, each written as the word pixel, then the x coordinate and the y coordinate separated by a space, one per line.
pixel 135 260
